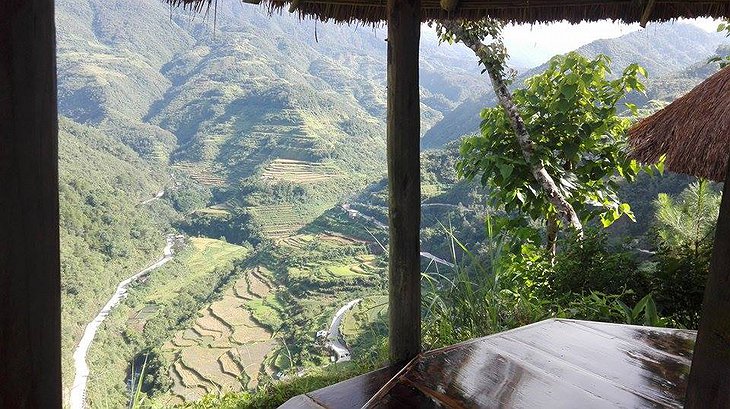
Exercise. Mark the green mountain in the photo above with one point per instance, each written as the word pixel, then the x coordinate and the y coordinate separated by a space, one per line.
pixel 258 128
pixel 106 234
pixel 663 49
pixel 279 119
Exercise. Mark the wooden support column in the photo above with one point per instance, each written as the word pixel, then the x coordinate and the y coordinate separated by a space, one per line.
pixel 404 179
pixel 709 378
pixel 30 305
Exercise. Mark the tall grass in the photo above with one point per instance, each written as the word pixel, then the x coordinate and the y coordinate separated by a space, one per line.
pixel 475 298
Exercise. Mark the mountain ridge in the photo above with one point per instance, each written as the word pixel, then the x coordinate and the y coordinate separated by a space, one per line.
pixel 650 48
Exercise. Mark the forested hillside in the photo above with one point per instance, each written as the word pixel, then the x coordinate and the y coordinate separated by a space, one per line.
pixel 280 119
pixel 261 139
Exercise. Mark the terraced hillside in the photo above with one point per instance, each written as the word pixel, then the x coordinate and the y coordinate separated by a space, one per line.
pixel 297 171
pixel 225 347
pixel 230 344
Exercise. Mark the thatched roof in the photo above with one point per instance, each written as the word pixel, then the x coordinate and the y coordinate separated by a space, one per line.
pixel 693 131
pixel 522 11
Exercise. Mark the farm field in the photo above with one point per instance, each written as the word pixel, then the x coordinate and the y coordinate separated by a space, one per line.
pixel 277 221
pixel 226 346
pixel 297 171
pixel 301 241
pixel 202 174
pixel 371 309
pixel 205 255
pixel 220 210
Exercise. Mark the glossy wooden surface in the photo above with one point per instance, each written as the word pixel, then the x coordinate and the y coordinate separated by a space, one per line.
pixel 350 394
pixel 550 364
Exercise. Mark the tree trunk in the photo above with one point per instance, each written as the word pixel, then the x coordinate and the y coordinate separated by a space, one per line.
pixel 565 211
pixel 404 179
pixel 552 237
pixel 709 377
pixel 30 304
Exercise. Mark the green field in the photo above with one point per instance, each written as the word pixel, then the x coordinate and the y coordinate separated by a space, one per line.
pixel 297 171
pixel 205 255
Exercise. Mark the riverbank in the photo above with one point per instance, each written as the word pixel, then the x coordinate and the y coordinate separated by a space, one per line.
pixel 81 376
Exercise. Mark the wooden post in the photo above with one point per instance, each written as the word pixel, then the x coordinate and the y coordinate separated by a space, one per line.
pixel 30 292
pixel 709 378
pixel 404 179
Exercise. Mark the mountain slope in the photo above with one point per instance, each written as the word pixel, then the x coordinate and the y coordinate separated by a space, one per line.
pixel 281 118
pixel 662 49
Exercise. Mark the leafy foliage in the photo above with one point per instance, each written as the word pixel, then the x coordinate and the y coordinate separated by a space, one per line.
pixel 684 231
pixel 665 51
pixel 690 220
pixel 571 113
pixel 723 27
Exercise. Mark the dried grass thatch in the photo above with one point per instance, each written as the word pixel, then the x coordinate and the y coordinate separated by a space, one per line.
pixel 693 131
pixel 522 11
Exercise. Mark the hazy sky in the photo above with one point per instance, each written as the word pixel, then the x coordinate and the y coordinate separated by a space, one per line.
pixel 539 42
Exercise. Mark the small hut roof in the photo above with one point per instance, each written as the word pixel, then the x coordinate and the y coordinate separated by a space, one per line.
pixel 520 11
pixel 693 131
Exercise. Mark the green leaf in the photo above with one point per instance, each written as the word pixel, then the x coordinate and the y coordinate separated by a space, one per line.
pixel 520 196
pixel 569 90
pixel 639 307
pixel 650 312
pixel 505 170
pixel 632 108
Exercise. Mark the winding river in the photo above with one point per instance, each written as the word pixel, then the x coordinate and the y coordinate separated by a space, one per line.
pixel 78 390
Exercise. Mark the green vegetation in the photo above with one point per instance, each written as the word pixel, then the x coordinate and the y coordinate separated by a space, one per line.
pixel 672 54
pixel 258 132
pixel 570 112
pixel 106 235
pixel 166 302
pixel 684 231
pixel 274 394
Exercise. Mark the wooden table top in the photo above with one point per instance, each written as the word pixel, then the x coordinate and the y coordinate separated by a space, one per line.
pixel 555 363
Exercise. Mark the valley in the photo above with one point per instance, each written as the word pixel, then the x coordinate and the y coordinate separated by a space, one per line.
pixel 261 144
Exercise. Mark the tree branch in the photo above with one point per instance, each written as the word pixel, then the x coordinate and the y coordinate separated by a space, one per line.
pixel 492 57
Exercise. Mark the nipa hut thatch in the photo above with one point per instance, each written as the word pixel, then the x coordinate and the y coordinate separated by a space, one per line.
pixel 522 11
pixel 693 131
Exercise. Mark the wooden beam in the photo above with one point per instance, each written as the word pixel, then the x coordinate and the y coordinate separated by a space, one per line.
pixel 30 305
pixel 449 5
pixel 404 179
pixel 646 15
pixel 709 377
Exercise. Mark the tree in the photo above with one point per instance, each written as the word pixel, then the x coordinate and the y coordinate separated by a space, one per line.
pixel 689 221
pixel 684 230
pixel 723 60
pixel 569 112
pixel 493 57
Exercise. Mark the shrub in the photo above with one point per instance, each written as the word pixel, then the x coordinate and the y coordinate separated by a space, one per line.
pixel 679 283
pixel 595 265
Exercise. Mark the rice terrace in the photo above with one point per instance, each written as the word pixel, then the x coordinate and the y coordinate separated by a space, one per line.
pixel 226 347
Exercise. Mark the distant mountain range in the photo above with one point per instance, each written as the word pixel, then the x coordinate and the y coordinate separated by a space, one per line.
pixel 275 119
pixel 663 49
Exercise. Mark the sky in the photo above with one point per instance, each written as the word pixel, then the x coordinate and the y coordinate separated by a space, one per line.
pixel 537 43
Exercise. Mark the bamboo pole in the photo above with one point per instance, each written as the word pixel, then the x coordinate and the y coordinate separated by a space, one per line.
pixel 404 180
